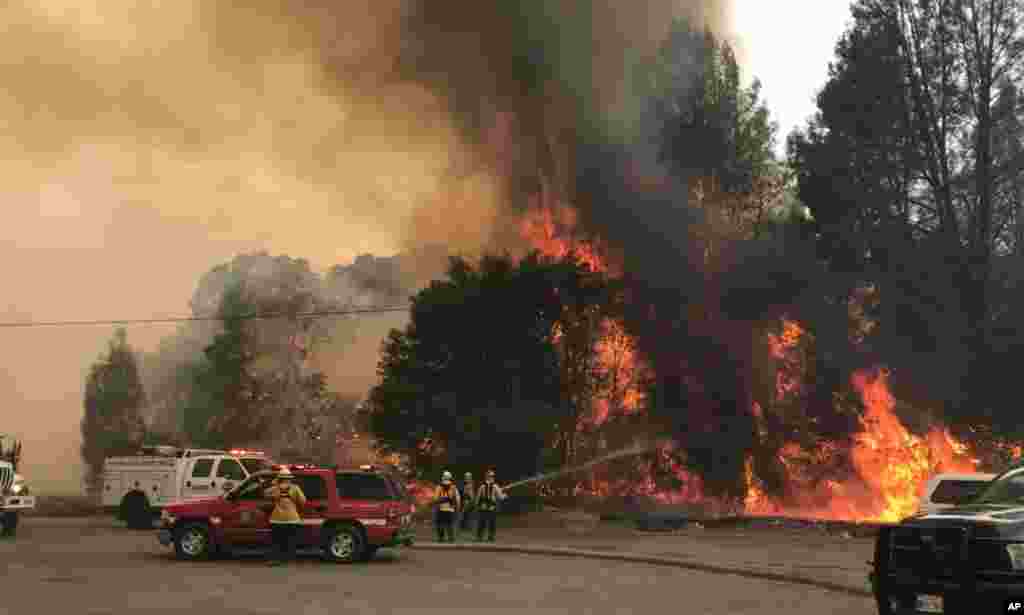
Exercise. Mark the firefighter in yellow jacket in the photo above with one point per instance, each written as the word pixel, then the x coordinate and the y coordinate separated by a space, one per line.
pixel 448 503
pixel 285 522
pixel 488 495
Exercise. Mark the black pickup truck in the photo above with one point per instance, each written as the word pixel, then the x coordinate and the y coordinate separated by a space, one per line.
pixel 966 559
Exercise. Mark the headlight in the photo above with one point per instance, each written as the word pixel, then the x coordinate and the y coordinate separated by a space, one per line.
pixel 1016 553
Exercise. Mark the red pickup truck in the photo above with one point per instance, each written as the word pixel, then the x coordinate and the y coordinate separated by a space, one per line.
pixel 348 515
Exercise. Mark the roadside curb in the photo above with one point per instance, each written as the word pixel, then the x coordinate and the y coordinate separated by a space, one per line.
pixel 647 559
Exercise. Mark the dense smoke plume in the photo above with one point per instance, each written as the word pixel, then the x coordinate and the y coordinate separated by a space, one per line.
pixel 145 142
pixel 289 353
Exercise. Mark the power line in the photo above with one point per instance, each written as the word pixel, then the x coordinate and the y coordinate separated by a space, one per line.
pixel 143 321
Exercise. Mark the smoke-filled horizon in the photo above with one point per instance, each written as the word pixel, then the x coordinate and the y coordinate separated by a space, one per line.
pixel 148 142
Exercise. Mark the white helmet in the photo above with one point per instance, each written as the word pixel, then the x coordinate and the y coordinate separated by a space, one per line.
pixel 446 475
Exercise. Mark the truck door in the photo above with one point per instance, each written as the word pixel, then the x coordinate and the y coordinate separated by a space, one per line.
pixel 314 512
pixel 199 479
pixel 247 520
pixel 367 498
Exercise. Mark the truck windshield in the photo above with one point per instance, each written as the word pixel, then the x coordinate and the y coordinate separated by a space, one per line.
pixel 1006 489
pixel 253 466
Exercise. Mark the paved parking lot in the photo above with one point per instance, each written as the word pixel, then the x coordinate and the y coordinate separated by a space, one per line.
pixel 93 567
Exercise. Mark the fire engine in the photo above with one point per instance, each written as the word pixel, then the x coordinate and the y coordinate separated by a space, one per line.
pixel 15 497
pixel 137 487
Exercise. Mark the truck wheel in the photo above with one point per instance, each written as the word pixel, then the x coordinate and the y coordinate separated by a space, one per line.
pixel 8 523
pixel 136 513
pixel 881 599
pixel 343 544
pixel 192 542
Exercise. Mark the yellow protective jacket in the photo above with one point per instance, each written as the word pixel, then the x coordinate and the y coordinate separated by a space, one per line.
pixel 286 504
pixel 447 498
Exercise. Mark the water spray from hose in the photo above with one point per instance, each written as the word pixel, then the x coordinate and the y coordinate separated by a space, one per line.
pixel 635 450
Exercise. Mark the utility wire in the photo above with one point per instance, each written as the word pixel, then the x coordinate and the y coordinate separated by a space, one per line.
pixel 140 321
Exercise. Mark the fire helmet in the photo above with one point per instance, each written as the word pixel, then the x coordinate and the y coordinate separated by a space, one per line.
pixel 468 476
pixel 446 475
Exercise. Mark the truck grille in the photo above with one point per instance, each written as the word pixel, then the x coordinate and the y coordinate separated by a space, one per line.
pixel 932 553
pixel 6 478
pixel 990 556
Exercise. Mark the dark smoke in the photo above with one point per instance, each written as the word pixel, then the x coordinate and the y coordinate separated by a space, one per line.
pixel 556 75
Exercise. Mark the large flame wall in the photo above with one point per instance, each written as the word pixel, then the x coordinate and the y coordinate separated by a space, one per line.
pixel 890 464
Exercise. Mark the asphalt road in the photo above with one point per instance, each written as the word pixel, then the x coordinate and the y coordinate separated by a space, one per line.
pixel 66 566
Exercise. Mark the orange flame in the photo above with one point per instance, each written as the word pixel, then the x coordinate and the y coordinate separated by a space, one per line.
pixel 891 464
pixel 550 229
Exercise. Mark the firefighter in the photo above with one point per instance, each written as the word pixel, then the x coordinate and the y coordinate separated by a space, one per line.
pixel 285 522
pixel 488 495
pixel 448 503
pixel 468 495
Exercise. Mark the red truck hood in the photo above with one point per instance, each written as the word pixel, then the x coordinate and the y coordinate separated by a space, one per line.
pixel 193 505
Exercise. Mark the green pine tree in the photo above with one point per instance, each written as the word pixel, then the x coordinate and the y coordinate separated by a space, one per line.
pixel 114 397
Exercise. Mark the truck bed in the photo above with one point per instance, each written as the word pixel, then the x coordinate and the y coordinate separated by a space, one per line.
pixel 154 476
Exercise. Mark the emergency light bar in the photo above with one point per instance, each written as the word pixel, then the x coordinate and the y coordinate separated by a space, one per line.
pixel 237 452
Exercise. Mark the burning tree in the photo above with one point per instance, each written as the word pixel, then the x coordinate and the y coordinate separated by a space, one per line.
pixel 912 169
pixel 725 383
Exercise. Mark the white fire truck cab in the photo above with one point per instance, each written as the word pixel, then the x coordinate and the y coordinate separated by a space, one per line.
pixel 138 487
pixel 15 497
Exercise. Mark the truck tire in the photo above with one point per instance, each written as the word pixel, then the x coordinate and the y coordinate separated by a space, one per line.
pixel 136 512
pixel 192 542
pixel 882 602
pixel 343 544
pixel 8 523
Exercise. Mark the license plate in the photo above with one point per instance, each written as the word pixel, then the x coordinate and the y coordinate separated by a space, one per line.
pixel 927 603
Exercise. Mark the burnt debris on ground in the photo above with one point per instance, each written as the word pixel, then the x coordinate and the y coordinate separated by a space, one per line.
pixel 668 521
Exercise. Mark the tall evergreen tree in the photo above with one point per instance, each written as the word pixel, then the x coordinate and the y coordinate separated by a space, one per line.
pixel 114 398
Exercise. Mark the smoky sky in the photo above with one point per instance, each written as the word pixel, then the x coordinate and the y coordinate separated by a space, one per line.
pixel 143 143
